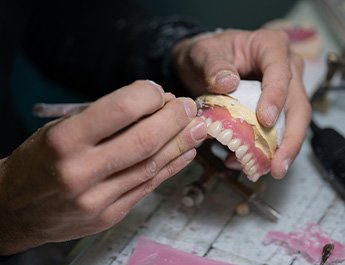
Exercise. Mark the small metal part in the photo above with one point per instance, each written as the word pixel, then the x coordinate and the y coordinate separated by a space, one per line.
pixel 242 208
pixel 215 167
pixel 266 209
pixel 194 195
pixel 199 104
pixel 335 65
pixel 326 253
pixel 252 197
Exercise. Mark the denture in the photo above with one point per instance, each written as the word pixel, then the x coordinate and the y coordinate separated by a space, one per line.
pixel 231 119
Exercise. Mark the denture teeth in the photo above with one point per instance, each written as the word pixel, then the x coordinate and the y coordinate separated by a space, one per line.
pixel 234 144
pixel 208 121
pixel 225 136
pixel 245 159
pixel 249 164
pixel 255 177
pixel 241 151
pixel 252 171
pixel 215 128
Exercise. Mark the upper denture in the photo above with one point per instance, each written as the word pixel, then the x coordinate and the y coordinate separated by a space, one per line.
pixel 235 125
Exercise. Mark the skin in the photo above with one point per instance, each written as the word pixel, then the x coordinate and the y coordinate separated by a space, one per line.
pixel 216 62
pixel 88 170
pixel 91 168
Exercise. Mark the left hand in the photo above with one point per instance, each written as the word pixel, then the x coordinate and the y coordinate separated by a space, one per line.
pixel 216 61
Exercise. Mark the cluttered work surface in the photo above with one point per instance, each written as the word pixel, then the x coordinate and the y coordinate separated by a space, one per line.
pixel 214 229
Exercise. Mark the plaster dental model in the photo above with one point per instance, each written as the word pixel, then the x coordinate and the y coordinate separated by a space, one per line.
pixel 231 119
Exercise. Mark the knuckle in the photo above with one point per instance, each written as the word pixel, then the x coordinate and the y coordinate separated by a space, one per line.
pixel 172 168
pixel 147 142
pixel 179 113
pixel 55 141
pixel 122 105
pixel 199 47
pixel 149 187
pixel 144 92
pixel 155 90
pixel 71 176
pixel 150 169
pixel 87 206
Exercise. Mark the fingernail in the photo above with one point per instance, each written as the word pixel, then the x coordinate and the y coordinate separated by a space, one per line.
pixel 168 96
pixel 286 164
pixel 199 131
pixel 189 155
pixel 156 85
pixel 190 107
pixel 226 79
pixel 271 114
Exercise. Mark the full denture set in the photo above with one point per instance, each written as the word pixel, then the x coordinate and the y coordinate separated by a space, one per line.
pixel 231 119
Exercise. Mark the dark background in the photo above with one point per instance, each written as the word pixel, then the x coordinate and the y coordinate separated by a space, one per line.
pixel 29 87
pixel 246 14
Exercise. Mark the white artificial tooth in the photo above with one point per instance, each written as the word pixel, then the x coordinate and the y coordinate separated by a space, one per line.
pixel 234 144
pixel 215 128
pixel 249 164
pixel 255 177
pixel 246 158
pixel 208 122
pixel 252 171
pixel 225 136
pixel 241 151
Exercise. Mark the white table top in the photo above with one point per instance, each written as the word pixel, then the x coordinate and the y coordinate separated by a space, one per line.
pixel 214 230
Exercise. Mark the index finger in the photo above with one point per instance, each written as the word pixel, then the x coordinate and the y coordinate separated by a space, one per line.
pixel 273 57
pixel 114 112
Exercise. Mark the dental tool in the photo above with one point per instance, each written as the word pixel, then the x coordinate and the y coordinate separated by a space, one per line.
pixel 329 148
pixel 57 110
pixel 328 144
pixel 46 110
pixel 215 167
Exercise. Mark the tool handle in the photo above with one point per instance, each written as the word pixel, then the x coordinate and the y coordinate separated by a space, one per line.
pixel 329 147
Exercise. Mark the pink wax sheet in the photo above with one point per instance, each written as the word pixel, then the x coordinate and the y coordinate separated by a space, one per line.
pixel 309 241
pixel 148 252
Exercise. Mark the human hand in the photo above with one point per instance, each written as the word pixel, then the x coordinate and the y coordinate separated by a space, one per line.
pixel 80 175
pixel 215 62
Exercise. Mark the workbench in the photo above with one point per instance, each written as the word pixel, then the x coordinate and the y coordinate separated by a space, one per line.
pixel 213 229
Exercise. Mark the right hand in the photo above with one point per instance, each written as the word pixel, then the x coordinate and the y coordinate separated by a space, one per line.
pixel 82 174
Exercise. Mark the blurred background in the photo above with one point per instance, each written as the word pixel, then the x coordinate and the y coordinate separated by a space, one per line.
pixel 245 14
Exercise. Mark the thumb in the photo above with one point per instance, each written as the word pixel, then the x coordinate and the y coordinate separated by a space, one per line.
pixel 221 76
